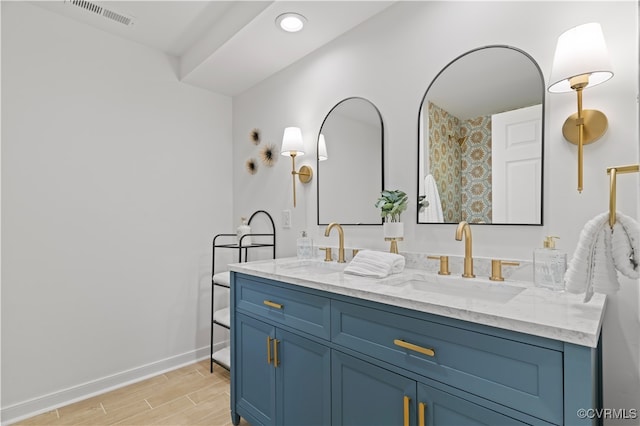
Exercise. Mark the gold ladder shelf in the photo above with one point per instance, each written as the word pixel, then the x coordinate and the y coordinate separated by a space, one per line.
pixel 613 172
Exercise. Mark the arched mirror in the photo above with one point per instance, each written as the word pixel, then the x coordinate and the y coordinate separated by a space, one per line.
pixel 350 164
pixel 480 140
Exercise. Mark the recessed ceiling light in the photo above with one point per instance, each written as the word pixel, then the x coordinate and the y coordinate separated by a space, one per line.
pixel 291 22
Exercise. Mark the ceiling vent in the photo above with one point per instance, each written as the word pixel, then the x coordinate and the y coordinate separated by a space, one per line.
pixel 103 11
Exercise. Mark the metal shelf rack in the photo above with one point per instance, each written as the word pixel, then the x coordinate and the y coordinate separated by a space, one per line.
pixel 220 317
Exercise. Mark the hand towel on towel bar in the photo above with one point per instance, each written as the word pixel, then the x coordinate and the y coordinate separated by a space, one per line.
pixel 369 263
pixel 600 252
pixel 626 246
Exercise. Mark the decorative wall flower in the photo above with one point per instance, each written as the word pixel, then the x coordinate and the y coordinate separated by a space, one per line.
pixel 254 135
pixel 268 155
pixel 252 166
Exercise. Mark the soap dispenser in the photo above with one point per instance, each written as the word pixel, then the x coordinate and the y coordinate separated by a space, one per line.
pixel 305 246
pixel 549 265
pixel 242 230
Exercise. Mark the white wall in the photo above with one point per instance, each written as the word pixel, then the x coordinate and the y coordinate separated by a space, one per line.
pixel 390 60
pixel 115 177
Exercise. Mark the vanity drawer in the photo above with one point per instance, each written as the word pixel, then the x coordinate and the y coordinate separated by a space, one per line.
pixel 303 311
pixel 525 377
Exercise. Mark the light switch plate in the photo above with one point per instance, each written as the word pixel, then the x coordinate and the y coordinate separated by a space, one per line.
pixel 286 219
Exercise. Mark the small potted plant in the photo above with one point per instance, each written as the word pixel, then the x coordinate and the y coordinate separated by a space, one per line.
pixel 391 204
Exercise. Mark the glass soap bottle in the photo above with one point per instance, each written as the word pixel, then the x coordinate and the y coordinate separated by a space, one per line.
pixel 305 246
pixel 242 230
pixel 549 265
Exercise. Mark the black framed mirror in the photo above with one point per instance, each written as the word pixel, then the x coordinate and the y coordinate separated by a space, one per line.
pixel 481 140
pixel 350 169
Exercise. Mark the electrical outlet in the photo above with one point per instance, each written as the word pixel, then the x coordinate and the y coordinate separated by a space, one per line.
pixel 286 219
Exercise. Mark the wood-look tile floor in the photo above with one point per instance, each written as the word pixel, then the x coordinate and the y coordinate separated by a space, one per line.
pixel 186 396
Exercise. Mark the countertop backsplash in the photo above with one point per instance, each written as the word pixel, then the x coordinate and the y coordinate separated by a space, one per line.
pixel 481 265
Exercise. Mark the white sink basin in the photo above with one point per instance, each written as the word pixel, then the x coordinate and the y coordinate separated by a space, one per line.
pixel 465 288
pixel 311 267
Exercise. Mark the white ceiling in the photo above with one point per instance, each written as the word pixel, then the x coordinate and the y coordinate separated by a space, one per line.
pixel 224 46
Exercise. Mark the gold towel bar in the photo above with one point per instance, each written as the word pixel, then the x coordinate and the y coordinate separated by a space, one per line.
pixel 612 172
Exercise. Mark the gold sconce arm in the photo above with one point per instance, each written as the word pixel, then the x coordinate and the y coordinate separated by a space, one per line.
pixel 305 174
pixel 583 127
pixel 613 172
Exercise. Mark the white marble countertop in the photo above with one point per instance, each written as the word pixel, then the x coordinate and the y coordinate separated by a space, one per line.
pixel 511 305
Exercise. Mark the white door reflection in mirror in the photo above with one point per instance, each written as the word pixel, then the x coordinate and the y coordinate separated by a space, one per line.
pixel 517 165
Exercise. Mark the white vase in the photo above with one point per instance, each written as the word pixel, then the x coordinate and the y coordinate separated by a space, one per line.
pixel 393 229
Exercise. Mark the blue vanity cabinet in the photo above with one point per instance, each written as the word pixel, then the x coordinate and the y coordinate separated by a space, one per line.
pixel 305 356
pixel 436 407
pixel 365 394
pixel 515 374
pixel 283 377
pixel 255 382
pixel 303 381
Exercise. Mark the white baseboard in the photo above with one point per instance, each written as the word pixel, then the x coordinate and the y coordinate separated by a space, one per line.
pixel 42 404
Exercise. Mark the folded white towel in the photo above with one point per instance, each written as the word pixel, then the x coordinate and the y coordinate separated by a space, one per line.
pixel 626 246
pixel 377 264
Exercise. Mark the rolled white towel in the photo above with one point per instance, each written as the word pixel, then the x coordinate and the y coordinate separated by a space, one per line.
pixel 223 278
pixel 626 246
pixel 377 264
pixel 591 267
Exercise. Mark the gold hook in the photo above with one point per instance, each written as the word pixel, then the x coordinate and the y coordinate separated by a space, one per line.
pixel 613 172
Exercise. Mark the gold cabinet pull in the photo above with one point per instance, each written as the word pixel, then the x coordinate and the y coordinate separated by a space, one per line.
pixel 273 304
pixel 415 348
pixel 276 361
pixel 268 350
pixel 422 407
pixel 407 400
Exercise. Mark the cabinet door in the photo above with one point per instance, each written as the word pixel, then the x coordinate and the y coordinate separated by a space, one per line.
pixel 438 408
pixel 303 381
pixel 364 394
pixel 255 374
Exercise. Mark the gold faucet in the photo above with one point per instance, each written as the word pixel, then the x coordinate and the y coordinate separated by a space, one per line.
pixel 340 239
pixel 464 228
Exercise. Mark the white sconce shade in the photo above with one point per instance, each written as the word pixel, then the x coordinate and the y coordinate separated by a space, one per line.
pixel 322 149
pixel 580 50
pixel 292 142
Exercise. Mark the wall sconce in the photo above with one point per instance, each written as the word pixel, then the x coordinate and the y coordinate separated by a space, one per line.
pixel 581 60
pixel 292 145
pixel 322 149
